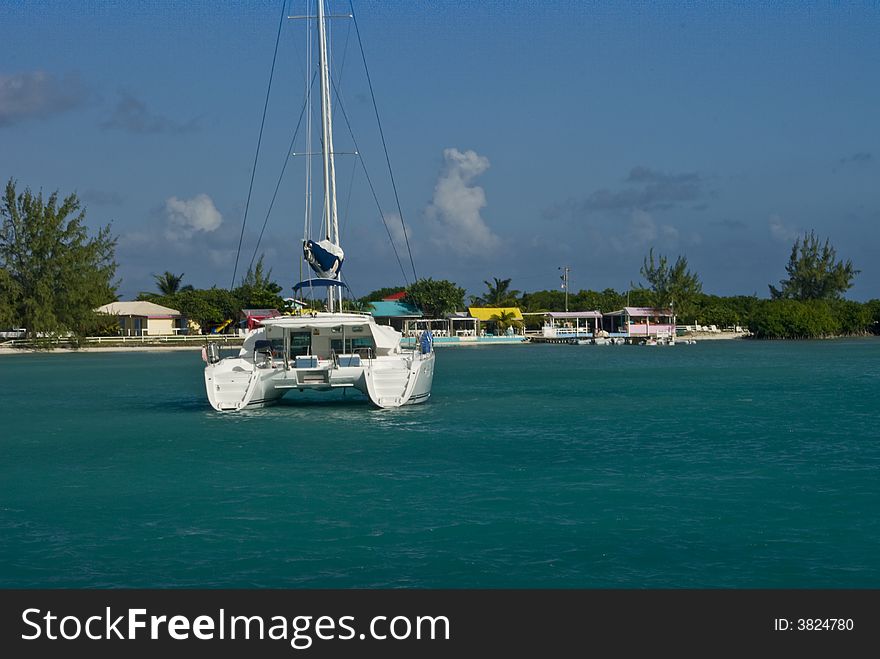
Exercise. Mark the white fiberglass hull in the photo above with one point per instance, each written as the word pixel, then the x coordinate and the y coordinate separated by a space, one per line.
pixel 393 378
pixel 235 384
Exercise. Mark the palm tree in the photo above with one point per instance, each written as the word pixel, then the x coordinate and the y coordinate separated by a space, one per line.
pixel 505 319
pixel 498 294
pixel 361 305
pixel 169 283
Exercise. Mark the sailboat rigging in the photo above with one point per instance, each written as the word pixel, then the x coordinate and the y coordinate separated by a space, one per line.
pixel 327 350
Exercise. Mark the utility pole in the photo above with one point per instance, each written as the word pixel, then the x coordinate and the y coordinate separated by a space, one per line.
pixel 565 270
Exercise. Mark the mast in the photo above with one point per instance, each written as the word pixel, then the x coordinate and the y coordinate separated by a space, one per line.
pixel 565 270
pixel 331 221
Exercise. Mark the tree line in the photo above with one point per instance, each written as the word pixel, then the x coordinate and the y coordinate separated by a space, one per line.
pixel 808 303
pixel 211 307
pixel 53 274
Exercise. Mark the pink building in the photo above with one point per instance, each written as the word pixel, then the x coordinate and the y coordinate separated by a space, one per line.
pixel 640 323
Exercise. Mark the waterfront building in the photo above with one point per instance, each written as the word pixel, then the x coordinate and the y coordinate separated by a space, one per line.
pixel 142 318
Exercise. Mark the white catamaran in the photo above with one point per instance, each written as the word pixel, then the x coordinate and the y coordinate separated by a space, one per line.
pixel 327 350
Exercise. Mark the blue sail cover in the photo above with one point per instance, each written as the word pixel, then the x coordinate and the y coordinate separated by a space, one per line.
pixel 324 257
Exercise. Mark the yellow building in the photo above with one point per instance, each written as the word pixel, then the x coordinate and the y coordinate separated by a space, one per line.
pixel 489 316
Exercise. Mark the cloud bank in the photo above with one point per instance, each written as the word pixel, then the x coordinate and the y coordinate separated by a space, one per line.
pixel 647 190
pixel 454 214
pixel 860 158
pixel 640 230
pixel 38 95
pixel 132 115
pixel 625 218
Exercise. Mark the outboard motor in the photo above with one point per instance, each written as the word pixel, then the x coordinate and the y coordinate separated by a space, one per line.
pixel 212 352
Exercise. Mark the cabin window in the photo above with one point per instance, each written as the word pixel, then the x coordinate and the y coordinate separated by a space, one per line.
pixel 351 345
pixel 300 343
pixel 355 343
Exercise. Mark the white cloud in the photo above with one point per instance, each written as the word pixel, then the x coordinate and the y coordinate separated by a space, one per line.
pixel 454 213
pixel 781 231
pixel 185 217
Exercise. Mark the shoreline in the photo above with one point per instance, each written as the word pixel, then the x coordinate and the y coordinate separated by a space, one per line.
pixel 141 348
pixel 714 336
pixel 7 350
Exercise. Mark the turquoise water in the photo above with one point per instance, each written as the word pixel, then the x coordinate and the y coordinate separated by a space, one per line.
pixel 721 464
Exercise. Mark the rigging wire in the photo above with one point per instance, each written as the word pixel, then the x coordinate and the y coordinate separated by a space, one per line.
pixel 287 155
pixel 382 134
pixel 289 151
pixel 307 210
pixel 370 183
pixel 344 52
pixel 341 70
pixel 259 142
pixel 348 198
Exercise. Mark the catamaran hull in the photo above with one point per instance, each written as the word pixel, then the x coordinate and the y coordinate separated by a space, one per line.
pixel 235 384
pixel 424 381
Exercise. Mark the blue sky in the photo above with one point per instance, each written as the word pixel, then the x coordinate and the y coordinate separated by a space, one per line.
pixel 523 136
